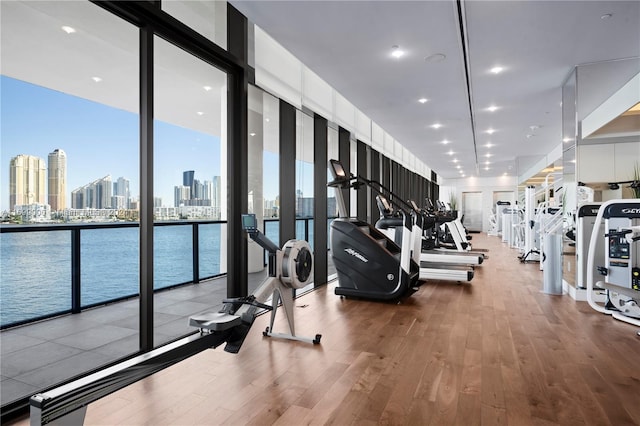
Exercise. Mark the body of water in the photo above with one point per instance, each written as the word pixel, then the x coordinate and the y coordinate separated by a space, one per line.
pixel 35 267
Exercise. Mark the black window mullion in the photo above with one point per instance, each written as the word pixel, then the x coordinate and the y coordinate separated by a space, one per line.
pixel 287 172
pixel 320 237
pixel 146 189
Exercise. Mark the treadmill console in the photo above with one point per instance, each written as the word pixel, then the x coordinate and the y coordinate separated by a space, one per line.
pixel 337 170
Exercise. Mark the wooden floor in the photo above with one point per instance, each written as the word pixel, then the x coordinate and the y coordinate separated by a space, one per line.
pixel 494 351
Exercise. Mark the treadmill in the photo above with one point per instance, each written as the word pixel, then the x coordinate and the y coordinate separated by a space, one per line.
pixel 431 267
pixel 442 256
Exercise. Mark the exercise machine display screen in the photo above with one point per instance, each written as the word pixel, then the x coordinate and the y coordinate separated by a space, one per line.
pixel 249 222
pixel 336 169
pixel 618 247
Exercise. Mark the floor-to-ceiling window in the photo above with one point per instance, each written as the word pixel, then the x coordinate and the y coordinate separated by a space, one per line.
pixel 304 179
pixel 70 133
pixel 189 177
pixel 263 175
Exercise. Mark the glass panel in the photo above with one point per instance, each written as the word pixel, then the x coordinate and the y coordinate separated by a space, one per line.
pixel 70 132
pixel 353 157
pixel 189 185
pixel 209 18
pixel 263 176
pixel 210 249
pixel 304 180
pixel 45 289
pixel 110 267
pixel 332 154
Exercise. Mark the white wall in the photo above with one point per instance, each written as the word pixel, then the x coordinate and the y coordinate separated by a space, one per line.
pixel 609 162
pixel 486 186
pixel 281 74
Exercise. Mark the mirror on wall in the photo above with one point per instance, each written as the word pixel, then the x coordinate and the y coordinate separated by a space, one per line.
pixel 601 142
pixel 569 136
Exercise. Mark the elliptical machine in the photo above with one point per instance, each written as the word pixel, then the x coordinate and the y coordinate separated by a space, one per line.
pixel 369 264
pixel 289 268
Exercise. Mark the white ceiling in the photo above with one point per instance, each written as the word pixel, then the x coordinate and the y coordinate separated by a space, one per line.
pixel 348 44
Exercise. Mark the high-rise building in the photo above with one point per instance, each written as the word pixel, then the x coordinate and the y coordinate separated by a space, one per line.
pixel 27 180
pixel 197 190
pixel 217 191
pixel 121 188
pixel 57 165
pixel 187 178
pixel 94 195
pixel 208 193
pixel 181 195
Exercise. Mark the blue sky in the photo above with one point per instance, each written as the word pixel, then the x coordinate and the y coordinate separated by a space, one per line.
pixel 98 140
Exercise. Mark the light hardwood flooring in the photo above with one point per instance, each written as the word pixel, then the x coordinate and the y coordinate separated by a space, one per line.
pixel 494 351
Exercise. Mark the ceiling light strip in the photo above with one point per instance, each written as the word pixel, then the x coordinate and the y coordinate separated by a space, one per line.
pixel 464 44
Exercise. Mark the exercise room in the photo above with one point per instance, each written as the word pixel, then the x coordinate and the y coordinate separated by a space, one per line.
pixel 308 212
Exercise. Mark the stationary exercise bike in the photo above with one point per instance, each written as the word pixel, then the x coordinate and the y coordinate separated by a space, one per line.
pixel 289 268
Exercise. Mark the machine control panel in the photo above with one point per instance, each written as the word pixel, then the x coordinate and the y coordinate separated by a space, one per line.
pixel 618 247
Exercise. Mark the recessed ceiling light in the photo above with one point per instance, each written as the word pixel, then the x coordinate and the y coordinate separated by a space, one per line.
pixel 491 131
pixel 444 142
pixel 487 162
pixel 200 113
pixel 96 79
pixel 504 174
pixel 436 57
pixel 207 88
pixel 423 100
pixel 266 119
pixel 455 160
pixel 68 30
pixel 450 152
pixel 252 134
pixel 493 108
pixel 486 168
pixel 606 16
pixel 436 126
pixel 489 145
pixel 496 70
pixel 396 52
pixel 567 139
pixel 488 155
pixel 458 166
pixel 463 175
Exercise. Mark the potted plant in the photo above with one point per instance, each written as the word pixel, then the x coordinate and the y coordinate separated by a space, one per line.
pixel 635 185
pixel 453 203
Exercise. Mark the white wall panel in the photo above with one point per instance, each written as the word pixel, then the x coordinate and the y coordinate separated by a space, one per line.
pixel 596 163
pixel 627 156
pixel 277 70
pixel 317 95
pixel 377 137
pixel 398 152
pixel 363 127
pixel 344 112
pixel 388 146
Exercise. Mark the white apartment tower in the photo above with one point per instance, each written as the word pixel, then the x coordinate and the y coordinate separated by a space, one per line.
pixel 27 180
pixel 57 179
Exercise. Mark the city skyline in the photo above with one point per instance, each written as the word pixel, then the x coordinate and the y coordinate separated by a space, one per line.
pixel 99 140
